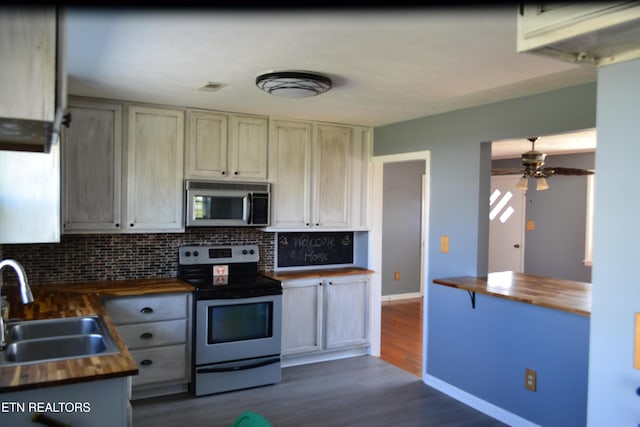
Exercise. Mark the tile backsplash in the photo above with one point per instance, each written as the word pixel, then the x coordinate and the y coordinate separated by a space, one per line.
pixel 89 257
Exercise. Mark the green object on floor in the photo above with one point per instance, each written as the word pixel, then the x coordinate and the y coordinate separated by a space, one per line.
pixel 251 419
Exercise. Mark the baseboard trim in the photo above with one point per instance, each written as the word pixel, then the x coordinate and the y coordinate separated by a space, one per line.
pixel 401 296
pixel 477 403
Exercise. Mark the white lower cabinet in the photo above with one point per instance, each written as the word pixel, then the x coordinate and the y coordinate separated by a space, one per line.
pixel 100 403
pixel 324 319
pixel 157 332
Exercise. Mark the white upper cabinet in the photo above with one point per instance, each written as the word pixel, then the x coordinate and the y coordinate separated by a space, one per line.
pixel 92 167
pixel 290 157
pixel 32 78
pixel 591 33
pixel 331 176
pixel 122 168
pixel 319 176
pixel 154 184
pixel 221 146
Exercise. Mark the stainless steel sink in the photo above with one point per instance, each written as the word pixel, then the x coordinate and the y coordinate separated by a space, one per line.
pixel 36 341
pixel 54 327
pixel 57 348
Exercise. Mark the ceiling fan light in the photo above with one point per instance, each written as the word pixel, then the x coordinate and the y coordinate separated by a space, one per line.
pixel 523 183
pixel 293 84
pixel 541 184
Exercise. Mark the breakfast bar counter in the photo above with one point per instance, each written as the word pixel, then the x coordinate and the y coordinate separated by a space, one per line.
pixel 559 294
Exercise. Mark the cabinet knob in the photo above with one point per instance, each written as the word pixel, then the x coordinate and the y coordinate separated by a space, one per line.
pixel 146 335
pixel 224 172
pixel 317 224
pixel 131 225
pixel 117 225
pixel 236 173
pixel 146 310
pixel 146 362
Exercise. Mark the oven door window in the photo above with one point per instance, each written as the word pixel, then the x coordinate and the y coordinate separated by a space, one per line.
pixel 240 322
pixel 220 207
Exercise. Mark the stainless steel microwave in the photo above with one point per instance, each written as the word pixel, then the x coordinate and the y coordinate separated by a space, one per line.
pixel 227 204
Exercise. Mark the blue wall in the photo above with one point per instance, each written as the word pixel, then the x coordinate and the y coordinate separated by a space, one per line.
pixel 616 285
pixel 456 351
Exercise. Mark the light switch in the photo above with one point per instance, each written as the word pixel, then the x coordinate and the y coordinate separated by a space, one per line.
pixel 636 345
pixel 444 244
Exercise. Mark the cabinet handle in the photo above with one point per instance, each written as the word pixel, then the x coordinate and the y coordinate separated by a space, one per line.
pixel 66 120
pixel 146 335
pixel 146 362
pixel 146 310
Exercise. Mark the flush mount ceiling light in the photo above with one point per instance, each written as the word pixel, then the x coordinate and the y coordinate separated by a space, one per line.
pixel 293 84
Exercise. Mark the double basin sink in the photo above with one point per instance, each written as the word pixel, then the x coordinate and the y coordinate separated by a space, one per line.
pixel 37 341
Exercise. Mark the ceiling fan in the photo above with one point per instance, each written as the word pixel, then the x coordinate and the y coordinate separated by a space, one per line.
pixel 532 162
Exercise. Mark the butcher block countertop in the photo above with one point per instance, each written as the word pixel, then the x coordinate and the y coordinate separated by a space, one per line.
pixel 316 274
pixel 559 294
pixel 72 300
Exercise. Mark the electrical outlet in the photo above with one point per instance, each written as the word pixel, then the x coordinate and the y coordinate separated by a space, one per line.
pixel 396 275
pixel 530 379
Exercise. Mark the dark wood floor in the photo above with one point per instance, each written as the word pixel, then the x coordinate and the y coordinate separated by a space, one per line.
pixel 362 391
pixel 401 334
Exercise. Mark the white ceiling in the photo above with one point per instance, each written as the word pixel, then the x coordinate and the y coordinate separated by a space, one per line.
pixel 583 141
pixel 387 65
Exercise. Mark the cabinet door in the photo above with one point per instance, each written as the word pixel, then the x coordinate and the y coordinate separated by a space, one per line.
pixel 206 145
pixel 362 147
pixel 91 170
pixel 248 147
pixel 155 169
pixel 332 161
pixel 28 72
pixel 290 153
pixel 301 317
pixel 347 312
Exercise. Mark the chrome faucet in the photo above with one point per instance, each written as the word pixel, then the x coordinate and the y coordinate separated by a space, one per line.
pixel 25 292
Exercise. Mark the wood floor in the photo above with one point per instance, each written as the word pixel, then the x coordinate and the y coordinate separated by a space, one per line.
pixel 361 391
pixel 401 334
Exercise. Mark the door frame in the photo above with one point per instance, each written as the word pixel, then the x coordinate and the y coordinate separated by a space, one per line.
pixel 375 240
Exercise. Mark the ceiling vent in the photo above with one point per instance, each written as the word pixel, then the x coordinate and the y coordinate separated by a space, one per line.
pixel 212 87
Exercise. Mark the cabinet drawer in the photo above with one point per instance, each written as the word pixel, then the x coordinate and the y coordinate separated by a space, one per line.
pixel 147 308
pixel 153 334
pixel 160 364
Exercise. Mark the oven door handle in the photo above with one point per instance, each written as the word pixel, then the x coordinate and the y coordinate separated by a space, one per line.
pixel 238 368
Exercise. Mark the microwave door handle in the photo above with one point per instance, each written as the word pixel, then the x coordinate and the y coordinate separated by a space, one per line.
pixel 246 216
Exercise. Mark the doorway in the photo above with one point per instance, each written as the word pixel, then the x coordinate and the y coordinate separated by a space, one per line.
pixel 506 224
pixel 389 272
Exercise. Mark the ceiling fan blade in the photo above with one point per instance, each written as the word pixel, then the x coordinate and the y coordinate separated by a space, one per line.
pixel 550 171
pixel 506 171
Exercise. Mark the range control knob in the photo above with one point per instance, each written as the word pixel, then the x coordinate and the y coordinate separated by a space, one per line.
pixel 244 252
pixel 187 253
pixel 252 252
pixel 195 253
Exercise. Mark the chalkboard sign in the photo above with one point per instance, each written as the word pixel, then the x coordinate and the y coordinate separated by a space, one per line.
pixel 302 249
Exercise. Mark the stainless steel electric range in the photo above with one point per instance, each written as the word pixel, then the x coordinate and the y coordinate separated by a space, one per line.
pixel 237 318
